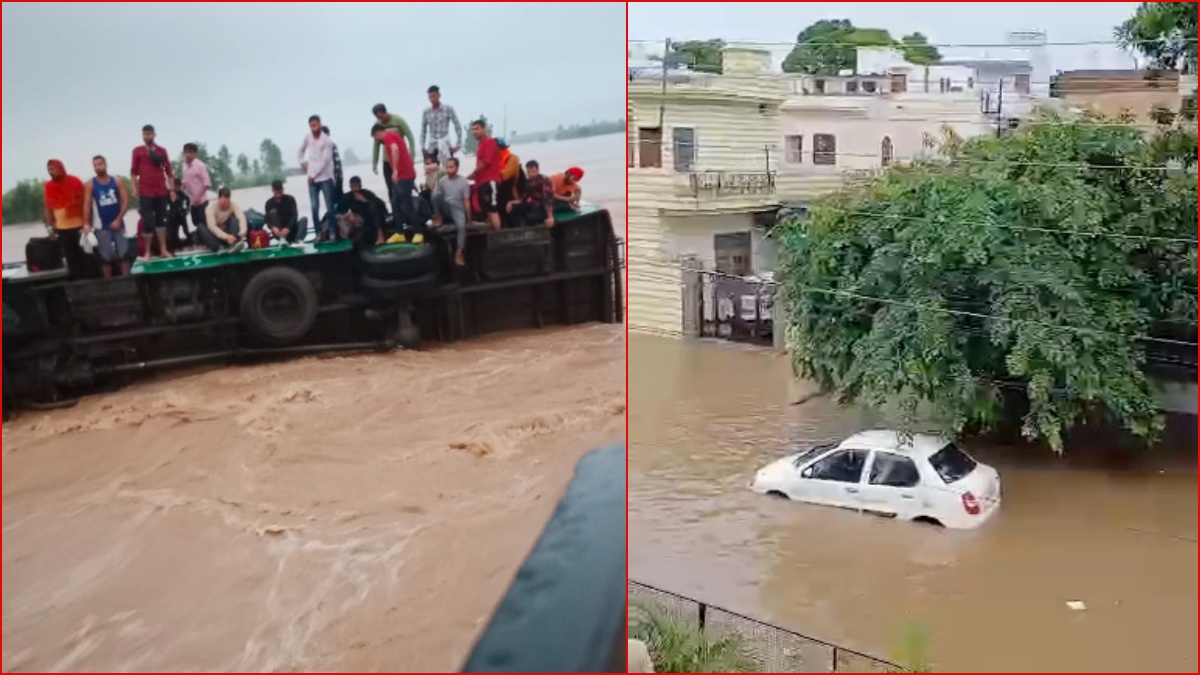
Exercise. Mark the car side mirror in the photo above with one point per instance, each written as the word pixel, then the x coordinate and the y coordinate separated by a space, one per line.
pixel 807 472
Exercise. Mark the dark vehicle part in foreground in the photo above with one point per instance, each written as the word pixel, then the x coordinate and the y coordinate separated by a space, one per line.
pixel 63 339
pixel 565 610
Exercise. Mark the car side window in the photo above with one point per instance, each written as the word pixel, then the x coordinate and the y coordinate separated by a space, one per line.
pixel 893 470
pixel 843 466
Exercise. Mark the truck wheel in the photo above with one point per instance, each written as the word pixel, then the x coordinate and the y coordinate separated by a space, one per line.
pixel 389 289
pixel 279 305
pixel 398 261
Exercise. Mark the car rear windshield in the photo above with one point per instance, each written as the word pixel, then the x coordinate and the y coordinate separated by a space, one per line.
pixel 951 463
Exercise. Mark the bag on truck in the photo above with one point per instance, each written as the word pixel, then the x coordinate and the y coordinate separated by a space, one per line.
pixel 43 253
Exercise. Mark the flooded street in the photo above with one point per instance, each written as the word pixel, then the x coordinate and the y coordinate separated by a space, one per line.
pixel 704 417
pixel 345 513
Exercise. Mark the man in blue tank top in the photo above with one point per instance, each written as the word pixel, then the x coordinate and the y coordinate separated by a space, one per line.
pixel 106 195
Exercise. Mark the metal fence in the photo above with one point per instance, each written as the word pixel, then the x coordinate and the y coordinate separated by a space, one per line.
pixel 738 309
pixel 773 649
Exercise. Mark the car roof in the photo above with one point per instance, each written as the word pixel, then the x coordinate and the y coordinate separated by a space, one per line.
pixel 921 445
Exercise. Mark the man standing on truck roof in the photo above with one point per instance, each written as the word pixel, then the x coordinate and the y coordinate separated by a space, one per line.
pixel 316 159
pixel 396 123
pixel 153 180
pixel 64 203
pixel 404 178
pixel 435 128
pixel 111 203
pixel 486 175
pixel 196 184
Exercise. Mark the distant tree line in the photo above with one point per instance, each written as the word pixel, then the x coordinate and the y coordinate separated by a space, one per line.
pixel 240 172
pixel 563 133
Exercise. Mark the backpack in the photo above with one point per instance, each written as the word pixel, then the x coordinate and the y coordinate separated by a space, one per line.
pixel 258 238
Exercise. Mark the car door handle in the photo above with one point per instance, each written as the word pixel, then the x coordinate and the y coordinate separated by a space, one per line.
pixel 852 490
pixel 907 497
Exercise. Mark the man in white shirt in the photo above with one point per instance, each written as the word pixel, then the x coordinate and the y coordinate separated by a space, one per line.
pixel 316 160
pixel 435 128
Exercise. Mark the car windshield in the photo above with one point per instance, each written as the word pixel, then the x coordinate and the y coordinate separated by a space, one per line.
pixel 806 455
pixel 951 463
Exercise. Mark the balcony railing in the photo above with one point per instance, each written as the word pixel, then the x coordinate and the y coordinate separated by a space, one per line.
pixel 716 184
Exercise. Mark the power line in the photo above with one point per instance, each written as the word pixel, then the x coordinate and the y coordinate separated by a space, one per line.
pixel 936 45
pixel 1079 330
pixel 927 158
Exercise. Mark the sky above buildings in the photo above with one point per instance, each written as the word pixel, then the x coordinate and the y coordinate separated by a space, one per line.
pixel 964 23
pixel 82 79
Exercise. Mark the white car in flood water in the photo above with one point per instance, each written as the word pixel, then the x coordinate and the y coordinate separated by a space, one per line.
pixel 922 477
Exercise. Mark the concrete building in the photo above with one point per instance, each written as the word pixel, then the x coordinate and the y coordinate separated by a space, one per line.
pixel 1113 92
pixel 713 157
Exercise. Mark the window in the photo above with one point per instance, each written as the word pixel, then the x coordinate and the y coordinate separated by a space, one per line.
pixel 944 85
pixel 824 149
pixel 851 87
pixel 951 463
pixel 891 470
pixel 794 146
pixel 650 147
pixel 1021 83
pixel 899 84
pixel 819 86
pixel 885 151
pixel 684 146
pixel 868 87
pixel 844 466
pixel 733 252
pixel 806 455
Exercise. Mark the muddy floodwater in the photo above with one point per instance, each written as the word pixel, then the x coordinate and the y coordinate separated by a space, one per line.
pixel 1119 536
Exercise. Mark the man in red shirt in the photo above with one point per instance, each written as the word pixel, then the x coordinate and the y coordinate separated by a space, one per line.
pixel 486 175
pixel 404 179
pixel 153 179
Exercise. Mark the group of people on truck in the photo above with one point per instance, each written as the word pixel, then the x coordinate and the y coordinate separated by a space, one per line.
pixel 499 191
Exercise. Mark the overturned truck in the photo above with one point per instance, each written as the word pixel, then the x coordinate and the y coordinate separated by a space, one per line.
pixel 66 338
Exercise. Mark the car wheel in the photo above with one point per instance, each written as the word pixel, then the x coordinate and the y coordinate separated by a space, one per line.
pixel 398 261
pixel 777 494
pixel 279 305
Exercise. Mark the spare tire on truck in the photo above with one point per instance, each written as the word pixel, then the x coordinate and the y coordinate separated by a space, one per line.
pixel 398 262
pixel 279 305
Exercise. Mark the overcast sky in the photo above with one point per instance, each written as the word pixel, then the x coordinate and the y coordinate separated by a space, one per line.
pixel 82 79
pixel 944 23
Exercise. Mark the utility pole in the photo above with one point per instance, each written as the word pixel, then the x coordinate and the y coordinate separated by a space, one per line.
pixel 1000 108
pixel 662 101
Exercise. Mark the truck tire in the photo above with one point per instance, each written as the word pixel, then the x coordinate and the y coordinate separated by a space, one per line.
pixel 398 262
pixel 279 305
pixel 392 289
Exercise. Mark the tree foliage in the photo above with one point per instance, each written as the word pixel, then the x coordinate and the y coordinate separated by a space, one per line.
pixel 1164 33
pixel 703 56
pixel 830 45
pixel 1001 264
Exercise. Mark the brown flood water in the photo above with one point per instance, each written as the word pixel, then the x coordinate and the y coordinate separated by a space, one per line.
pixel 704 417
pixel 346 513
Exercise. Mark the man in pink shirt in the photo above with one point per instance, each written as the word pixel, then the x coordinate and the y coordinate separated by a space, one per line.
pixel 196 184
pixel 486 175
pixel 153 179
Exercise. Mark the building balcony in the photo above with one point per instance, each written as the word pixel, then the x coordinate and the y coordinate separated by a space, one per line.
pixel 714 185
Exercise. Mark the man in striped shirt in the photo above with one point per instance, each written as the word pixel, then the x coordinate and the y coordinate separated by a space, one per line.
pixel 435 128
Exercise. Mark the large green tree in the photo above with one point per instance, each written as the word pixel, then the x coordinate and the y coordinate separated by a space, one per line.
pixel 1164 33
pixel 1036 262
pixel 700 55
pixel 829 46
